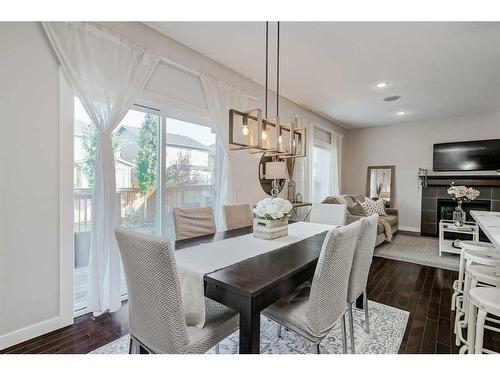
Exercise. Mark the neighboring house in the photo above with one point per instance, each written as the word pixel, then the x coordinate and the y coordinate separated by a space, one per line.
pixel 202 157
pixel 124 168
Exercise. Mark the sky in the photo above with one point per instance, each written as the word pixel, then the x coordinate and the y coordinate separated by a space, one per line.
pixel 202 134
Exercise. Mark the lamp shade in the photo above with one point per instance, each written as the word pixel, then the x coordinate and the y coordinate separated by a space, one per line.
pixel 275 170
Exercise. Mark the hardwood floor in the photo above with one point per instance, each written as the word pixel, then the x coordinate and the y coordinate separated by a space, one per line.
pixel 423 291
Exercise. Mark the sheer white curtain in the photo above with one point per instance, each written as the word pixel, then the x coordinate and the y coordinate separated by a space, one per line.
pixel 221 97
pixel 336 163
pixel 303 173
pixel 107 74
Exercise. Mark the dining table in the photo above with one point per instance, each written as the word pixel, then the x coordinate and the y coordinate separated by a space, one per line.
pixel 250 285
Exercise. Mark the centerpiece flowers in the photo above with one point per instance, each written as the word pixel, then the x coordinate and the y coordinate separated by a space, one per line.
pixel 271 219
pixel 461 194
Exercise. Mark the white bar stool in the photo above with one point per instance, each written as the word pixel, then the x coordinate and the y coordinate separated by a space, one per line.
pixel 483 301
pixel 458 284
pixel 485 272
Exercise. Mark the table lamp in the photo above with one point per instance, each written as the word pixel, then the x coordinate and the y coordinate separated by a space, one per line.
pixel 275 170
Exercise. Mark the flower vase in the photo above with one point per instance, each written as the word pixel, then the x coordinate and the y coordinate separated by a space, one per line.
pixel 270 229
pixel 291 191
pixel 459 215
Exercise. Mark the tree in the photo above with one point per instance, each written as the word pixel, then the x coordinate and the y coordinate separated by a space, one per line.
pixel 181 172
pixel 89 143
pixel 147 157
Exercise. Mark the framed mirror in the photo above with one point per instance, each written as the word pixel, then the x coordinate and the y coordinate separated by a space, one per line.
pixel 266 183
pixel 380 183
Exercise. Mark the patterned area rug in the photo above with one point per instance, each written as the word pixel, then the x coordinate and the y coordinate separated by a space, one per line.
pixel 387 329
pixel 419 250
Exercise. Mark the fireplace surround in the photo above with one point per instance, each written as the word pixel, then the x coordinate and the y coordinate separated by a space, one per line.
pixel 436 203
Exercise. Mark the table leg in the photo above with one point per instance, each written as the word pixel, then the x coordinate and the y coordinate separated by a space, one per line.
pixel 359 301
pixel 249 332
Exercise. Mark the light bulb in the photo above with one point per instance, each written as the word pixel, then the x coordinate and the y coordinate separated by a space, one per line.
pixel 244 130
pixel 264 135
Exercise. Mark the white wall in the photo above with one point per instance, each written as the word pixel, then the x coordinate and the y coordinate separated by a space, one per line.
pixel 29 187
pixel 184 90
pixel 408 147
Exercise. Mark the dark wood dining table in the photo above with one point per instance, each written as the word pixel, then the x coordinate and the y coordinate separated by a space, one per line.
pixel 253 284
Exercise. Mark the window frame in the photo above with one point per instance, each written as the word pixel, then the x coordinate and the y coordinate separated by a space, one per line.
pixel 164 111
pixel 324 145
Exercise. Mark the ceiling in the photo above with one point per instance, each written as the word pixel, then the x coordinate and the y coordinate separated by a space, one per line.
pixel 439 69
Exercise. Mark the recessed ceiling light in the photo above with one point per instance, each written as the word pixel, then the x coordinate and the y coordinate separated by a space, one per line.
pixel 401 113
pixel 392 98
pixel 381 85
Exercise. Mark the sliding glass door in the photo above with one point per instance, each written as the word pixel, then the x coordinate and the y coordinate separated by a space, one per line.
pixel 136 144
pixel 160 163
pixel 189 168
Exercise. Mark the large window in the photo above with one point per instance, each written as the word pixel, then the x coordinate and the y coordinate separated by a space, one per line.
pixel 190 168
pixel 149 148
pixel 321 164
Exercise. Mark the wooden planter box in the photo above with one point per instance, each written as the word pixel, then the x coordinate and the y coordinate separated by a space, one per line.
pixel 270 229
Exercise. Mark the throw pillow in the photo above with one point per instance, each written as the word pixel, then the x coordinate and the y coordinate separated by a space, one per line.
pixel 374 207
pixel 357 209
pixel 367 206
pixel 331 200
pixel 349 200
pixel 379 207
pixel 335 199
pixel 358 197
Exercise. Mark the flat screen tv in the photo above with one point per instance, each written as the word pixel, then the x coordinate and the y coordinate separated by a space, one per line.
pixel 467 156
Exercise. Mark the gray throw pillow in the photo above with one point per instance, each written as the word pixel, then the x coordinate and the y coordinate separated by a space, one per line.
pixel 358 197
pixel 331 200
pixel 349 200
pixel 357 209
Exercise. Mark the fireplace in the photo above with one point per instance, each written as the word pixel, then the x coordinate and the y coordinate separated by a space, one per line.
pixel 437 204
pixel 445 208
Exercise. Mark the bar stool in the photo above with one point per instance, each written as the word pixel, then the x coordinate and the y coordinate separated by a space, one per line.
pixel 483 301
pixel 484 272
pixel 458 284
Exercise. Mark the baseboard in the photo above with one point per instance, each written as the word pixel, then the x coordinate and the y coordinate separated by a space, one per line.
pixel 409 229
pixel 27 333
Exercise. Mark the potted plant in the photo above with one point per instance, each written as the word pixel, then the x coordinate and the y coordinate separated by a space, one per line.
pixel 271 219
pixel 461 194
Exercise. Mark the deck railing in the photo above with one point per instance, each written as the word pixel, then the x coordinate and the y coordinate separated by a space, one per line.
pixel 134 208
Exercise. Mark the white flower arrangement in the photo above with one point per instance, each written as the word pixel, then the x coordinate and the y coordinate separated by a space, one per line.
pixel 462 193
pixel 273 208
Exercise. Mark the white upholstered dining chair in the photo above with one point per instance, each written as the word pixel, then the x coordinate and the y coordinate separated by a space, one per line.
pixel 358 278
pixel 238 216
pixel 193 222
pixel 156 313
pixel 331 214
pixel 314 313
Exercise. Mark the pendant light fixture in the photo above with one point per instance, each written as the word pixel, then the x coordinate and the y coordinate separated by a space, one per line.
pixel 250 131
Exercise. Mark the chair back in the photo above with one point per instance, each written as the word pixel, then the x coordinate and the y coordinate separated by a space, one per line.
pixel 156 313
pixel 238 216
pixel 332 214
pixel 193 222
pixel 363 255
pixel 327 299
